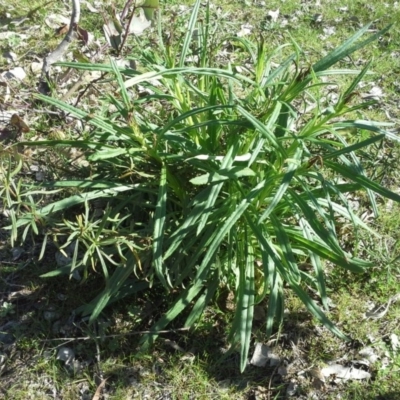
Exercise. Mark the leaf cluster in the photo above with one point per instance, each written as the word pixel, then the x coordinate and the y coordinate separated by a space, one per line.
pixel 212 177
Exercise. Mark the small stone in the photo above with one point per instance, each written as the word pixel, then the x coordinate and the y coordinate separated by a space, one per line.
pixel 6 338
pixel 36 67
pixel 50 315
pixel 291 389
pixel 65 354
pixel 15 73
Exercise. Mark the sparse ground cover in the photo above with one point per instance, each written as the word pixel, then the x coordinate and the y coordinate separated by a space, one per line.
pixel 48 351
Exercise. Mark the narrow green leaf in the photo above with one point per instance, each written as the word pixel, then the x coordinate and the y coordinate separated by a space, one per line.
pixel 190 224
pixel 86 184
pixel 287 253
pixel 93 67
pixel 189 33
pixel 286 180
pixel 223 175
pixel 173 123
pixel 215 190
pixel 359 168
pixel 203 300
pixel 316 311
pixel 275 296
pixel 347 48
pixel 270 126
pixel 94 120
pixel 267 246
pixel 348 214
pixel 172 72
pixel 355 82
pixel 230 221
pixel 327 234
pixel 316 262
pixel 283 121
pixel 263 129
pixel 180 304
pixel 122 88
pixel 159 227
pixel 353 147
pixel 114 284
pixel 362 180
pixel 64 204
pixel 104 154
pixel 246 303
pixel 82 144
pixel 352 264
pixel 57 272
pixel 278 71
pixel 200 243
pixel 371 126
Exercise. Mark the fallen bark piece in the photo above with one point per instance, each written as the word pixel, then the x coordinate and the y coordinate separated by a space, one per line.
pixel 345 373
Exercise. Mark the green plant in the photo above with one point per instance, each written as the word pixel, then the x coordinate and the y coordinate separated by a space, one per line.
pixel 210 178
pixel 6 308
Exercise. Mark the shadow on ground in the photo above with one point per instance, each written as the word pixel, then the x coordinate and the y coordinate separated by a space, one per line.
pixel 40 324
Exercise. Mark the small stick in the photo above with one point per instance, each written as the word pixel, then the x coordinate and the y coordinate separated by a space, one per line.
pixel 55 55
pixel 113 336
pixel 126 33
pixel 270 382
pixel 126 10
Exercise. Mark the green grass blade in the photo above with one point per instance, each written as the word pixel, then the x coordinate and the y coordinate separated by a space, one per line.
pixel 66 270
pixel 355 82
pixel 366 183
pixel 347 48
pixel 229 223
pixel 189 33
pixel 278 71
pixel 287 179
pixel 180 304
pixel 203 300
pixel 226 163
pixel 327 234
pixel 287 253
pixel 316 262
pixel 64 204
pixel 267 246
pixel 200 243
pixel 371 126
pixel 351 264
pixel 114 284
pixel 275 284
pixel 93 67
pixel 222 175
pixel 246 303
pixel 269 126
pixel 191 113
pixel 122 133
pixel 122 88
pixel 82 144
pixel 316 311
pixel 87 184
pixel 263 129
pixel 348 214
pixel 159 228
pixel 173 72
pixel 190 223
pixel 354 147
pixel 359 168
